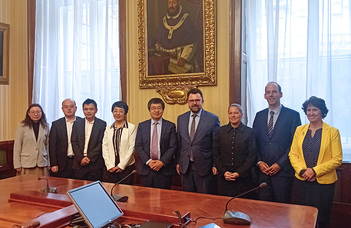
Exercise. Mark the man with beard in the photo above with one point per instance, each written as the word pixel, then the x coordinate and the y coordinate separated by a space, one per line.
pixel 176 41
pixel 196 129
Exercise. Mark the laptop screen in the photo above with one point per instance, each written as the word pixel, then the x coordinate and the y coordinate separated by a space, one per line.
pixel 95 204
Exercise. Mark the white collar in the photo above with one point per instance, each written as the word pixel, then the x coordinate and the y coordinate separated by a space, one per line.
pixel 75 118
pixel 197 114
pixel 159 121
pixel 87 121
pixel 277 110
pixel 176 16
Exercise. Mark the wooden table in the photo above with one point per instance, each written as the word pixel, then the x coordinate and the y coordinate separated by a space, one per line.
pixel 22 203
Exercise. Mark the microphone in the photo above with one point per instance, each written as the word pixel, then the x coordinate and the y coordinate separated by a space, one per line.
pixel 47 189
pixel 236 217
pixel 118 198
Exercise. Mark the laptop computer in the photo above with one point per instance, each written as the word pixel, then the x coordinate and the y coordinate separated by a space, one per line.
pixel 95 205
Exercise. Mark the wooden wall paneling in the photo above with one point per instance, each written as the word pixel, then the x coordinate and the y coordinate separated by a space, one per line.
pixel 123 48
pixel 343 185
pixel 341 215
pixel 235 51
pixel 6 169
pixel 341 211
pixel 31 6
pixel 345 182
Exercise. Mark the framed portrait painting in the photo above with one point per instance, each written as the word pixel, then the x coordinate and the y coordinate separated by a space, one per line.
pixel 176 46
pixel 4 53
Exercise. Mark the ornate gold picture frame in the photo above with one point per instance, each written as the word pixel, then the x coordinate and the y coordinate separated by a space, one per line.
pixel 4 53
pixel 176 46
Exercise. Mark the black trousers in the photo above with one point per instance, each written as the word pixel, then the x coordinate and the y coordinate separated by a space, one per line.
pixel 316 195
pixel 193 182
pixel 88 172
pixel 233 188
pixel 115 177
pixel 156 180
pixel 279 188
pixel 67 171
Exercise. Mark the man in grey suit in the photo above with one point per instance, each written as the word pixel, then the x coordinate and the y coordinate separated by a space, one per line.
pixel 155 144
pixel 274 128
pixel 196 129
pixel 60 147
pixel 87 135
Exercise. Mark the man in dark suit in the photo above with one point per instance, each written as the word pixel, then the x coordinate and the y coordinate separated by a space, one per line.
pixel 87 135
pixel 196 129
pixel 155 144
pixel 60 147
pixel 274 128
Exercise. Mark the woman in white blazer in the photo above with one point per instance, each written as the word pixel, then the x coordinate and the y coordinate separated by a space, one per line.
pixel 30 155
pixel 118 146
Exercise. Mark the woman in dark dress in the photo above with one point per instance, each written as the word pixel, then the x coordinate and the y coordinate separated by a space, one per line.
pixel 234 151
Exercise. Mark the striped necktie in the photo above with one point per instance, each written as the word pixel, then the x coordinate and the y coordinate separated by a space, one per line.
pixel 270 123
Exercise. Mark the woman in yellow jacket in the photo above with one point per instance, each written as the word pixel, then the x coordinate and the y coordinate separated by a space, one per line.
pixel 315 155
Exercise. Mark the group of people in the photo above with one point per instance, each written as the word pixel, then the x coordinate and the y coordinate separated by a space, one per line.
pixel 236 156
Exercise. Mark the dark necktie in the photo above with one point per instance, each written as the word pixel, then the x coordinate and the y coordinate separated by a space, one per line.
pixel 192 135
pixel 154 143
pixel 116 145
pixel 270 123
pixel 192 128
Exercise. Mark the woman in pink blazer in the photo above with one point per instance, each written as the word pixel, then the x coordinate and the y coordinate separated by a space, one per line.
pixel 315 155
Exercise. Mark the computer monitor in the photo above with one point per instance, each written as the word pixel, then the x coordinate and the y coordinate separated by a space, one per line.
pixel 95 205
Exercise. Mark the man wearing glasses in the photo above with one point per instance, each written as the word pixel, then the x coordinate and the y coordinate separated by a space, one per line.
pixel 155 144
pixel 195 136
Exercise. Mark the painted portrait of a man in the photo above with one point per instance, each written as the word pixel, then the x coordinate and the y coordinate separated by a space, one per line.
pixel 175 36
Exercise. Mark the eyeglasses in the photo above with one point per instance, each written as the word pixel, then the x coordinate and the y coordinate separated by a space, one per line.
pixel 35 112
pixel 159 108
pixel 194 101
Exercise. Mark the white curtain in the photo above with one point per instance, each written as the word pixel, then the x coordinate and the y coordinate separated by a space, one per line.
pixel 76 55
pixel 306 47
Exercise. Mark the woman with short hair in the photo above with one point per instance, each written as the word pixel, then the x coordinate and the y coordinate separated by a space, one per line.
pixel 118 146
pixel 234 152
pixel 315 155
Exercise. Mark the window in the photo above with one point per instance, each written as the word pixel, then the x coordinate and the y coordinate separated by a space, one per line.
pixel 306 47
pixel 77 55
